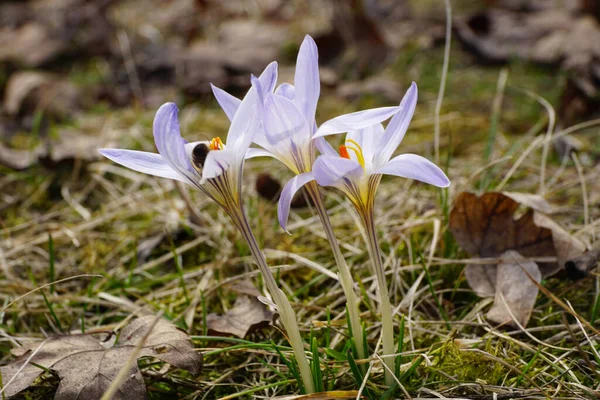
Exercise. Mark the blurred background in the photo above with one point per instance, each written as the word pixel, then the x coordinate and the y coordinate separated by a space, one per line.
pixel 65 63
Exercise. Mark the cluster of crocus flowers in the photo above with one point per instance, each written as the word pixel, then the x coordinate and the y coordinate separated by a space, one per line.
pixel 357 171
pixel 281 120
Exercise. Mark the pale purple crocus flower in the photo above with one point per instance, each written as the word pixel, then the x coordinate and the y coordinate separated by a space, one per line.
pixel 290 134
pixel 363 158
pixel 219 175
pixel 215 168
pixel 357 170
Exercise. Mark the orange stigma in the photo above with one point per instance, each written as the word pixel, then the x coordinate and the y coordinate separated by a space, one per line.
pixel 344 152
pixel 216 144
pixel 356 149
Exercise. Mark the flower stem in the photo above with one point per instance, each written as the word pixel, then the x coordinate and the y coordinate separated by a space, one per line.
pixel 288 316
pixel 344 270
pixel 387 327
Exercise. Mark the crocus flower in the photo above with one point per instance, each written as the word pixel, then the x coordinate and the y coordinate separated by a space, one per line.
pixel 289 133
pixel 357 170
pixel 363 158
pixel 212 166
pixel 215 168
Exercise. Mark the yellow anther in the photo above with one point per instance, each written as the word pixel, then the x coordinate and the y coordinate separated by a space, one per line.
pixel 216 144
pixel 356 149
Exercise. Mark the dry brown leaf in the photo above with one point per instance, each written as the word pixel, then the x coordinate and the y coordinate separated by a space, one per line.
pixel 514 289
pixel 87 366
pixel 247 315
pixel 485 226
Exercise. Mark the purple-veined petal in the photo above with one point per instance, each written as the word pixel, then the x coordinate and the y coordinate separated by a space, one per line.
pixel 415 167
pixel 254 152
pixel 141 161
pixel 324 147
pixel 169 142
pixel 287 194
pixel 286 90
pixel 329 170
pixel 228 102
pixel 217 162
pixel 356 120
pixel 306 79
pixel 283 123
pixel 396 129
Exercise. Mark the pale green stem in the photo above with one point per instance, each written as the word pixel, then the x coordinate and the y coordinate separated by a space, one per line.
pixel 387 327
pixel 288 316
pixel 344 270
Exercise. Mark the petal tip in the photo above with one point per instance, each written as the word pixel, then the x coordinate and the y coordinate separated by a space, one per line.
pixel 167 107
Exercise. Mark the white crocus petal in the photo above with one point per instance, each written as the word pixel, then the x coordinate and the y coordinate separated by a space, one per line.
pixel 415 167
pixel 396 129
pixel 286 90
pixel 245 123
pixel 217 162
pixel 367 139
pixel 141 161
pixel 287 195
pixel 306 79
pixel 254 152
pixel 330 170
pixel 228 102
pixel 356 120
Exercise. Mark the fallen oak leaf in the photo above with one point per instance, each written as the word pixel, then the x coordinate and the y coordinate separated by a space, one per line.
pixel 485 227
pixel 86 366
pixel 247 315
